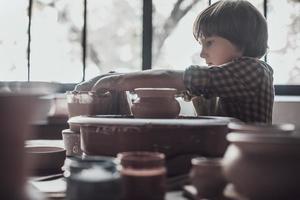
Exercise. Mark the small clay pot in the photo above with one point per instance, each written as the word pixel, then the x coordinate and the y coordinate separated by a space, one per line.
pixel 72 142
pixel 207 177
pixel 263 166
pixel 155 103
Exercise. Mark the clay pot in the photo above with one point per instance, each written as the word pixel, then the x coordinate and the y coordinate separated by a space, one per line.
pixel 71 141
pixel 261 128
pixel 207 177
pixel 264 166
pixel 155 103
pixel 177 138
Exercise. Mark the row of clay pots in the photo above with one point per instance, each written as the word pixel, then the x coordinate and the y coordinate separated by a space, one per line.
pixel 150 103
pixel 261 162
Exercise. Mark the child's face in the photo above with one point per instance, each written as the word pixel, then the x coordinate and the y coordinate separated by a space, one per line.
pixel 217 50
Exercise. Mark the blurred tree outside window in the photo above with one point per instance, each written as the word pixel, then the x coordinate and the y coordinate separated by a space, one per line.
pixel 56 28
pixel 114 36
pixel 13 40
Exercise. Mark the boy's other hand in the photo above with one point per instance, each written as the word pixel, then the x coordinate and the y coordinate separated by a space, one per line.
pixel 111 82
pixel 88 85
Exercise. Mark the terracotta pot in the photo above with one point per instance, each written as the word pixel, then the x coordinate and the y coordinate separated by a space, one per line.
pixel 71 142
pixel 207 177
pixel 182 137
pixel 155 103
pixel 264 166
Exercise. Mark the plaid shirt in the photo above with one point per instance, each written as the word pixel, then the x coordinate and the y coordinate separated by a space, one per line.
pixel 244 87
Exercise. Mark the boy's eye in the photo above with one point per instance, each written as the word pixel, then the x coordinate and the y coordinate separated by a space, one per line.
pixel 208 43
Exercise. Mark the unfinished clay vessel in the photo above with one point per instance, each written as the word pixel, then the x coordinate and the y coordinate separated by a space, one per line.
pixel 88 103
pixel 155 103
pixel 263 166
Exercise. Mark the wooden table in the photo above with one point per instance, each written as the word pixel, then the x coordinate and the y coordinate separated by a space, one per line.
pixel 56 189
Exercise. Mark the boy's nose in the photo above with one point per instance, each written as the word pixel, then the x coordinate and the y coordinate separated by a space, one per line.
pixel 202 54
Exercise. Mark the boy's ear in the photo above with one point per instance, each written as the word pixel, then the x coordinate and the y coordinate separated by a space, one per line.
pixel 242 50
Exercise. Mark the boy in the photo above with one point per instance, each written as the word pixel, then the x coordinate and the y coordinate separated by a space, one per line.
pixel 233 35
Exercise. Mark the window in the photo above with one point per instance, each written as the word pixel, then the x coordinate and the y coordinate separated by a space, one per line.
pixel 69 45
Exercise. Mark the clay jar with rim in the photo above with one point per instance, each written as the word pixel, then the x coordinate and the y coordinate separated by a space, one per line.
pixel 263 166
pixel 261 128
pixel 155 103
pixel 207 177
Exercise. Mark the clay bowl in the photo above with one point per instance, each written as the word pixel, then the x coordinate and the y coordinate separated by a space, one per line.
pixel 260 127
pixel 178 139
pixel 273 159
pixel 44 160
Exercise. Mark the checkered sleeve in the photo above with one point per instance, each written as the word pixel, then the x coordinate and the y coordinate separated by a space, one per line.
pixel 238 78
